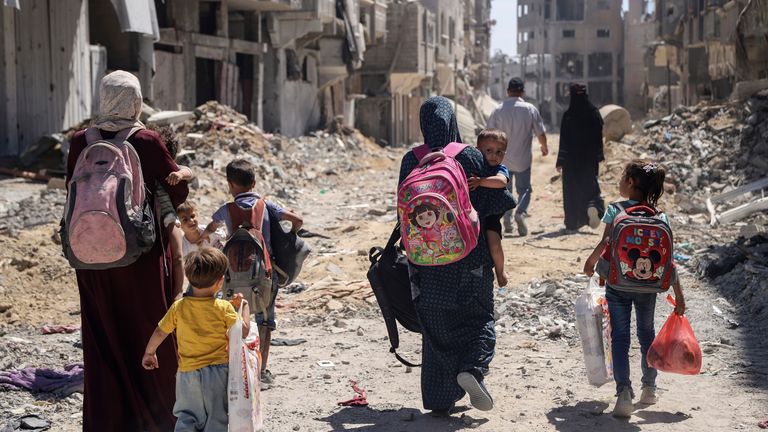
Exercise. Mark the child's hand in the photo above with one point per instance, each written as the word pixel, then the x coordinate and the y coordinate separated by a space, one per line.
pixel 205 236
pixel 679 305
pixel 589 266
pixel 501 278
pixel 237 300
pixel 174 178
pixel 474 182
pixel 150 361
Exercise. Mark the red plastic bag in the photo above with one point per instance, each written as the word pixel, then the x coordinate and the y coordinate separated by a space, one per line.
pixel 675 348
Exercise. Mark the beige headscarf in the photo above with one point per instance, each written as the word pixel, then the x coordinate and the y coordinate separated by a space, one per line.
pixel 119 102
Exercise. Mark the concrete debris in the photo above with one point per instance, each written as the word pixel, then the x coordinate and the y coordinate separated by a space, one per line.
pixel 740 270
pixel 711 149
pixel 541 308
pixel 616 122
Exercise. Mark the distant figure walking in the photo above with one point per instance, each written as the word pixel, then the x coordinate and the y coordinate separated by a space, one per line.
pixel 454 302
pixel 579 157
pixel 520 121
pixel 120 307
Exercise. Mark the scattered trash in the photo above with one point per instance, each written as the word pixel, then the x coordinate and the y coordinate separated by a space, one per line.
pixel 62 383
pixel 359 400
pixel 286 342
pixel 326 364
pixel 46 330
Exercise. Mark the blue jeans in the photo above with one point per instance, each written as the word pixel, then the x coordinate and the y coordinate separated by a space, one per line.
pixel 521 181
pixel 620 306
pixel 201 400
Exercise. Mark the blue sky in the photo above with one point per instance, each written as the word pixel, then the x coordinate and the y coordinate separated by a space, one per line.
pixel 504 34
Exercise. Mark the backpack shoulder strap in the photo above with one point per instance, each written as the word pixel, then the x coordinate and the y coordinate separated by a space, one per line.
pixel 125 134
pixel 453 149
pixel 421 151
pixel 238 215
pixel 257 214
pixel 92 135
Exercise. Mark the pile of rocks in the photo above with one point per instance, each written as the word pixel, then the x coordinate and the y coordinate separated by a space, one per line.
pixel 710 149
pixel 740 271
pixel 541 308
pixel 284 165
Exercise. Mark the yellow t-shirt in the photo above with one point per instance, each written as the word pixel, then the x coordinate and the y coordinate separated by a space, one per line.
pixel 201 325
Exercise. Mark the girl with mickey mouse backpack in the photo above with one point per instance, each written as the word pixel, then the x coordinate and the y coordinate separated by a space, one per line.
pixel 634 257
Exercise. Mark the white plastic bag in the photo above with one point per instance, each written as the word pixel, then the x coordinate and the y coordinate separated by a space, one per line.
pixel 244 387
pixel 594 326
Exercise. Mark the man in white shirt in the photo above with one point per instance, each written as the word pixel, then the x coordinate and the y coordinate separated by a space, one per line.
pixel 520 121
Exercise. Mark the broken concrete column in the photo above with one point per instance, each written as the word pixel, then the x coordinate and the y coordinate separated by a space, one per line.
pixel 617 122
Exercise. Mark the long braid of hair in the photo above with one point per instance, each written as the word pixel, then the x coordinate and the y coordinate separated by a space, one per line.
pixel 648 178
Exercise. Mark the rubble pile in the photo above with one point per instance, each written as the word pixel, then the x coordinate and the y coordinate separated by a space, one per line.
pixel 39 209
pixel 541 308
pixel 740 271
pixel 710 149
pixel 284 165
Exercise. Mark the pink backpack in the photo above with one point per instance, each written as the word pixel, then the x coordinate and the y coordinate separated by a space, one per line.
pixel 437 221
pixel 108 221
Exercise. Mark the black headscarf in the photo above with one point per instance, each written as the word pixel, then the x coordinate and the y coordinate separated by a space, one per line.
pixel 580 105
pixel 438 122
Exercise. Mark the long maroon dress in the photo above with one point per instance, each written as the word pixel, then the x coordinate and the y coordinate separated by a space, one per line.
pixel 120 309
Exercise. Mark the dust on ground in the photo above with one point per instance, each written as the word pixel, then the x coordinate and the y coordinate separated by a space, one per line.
pixel 537 380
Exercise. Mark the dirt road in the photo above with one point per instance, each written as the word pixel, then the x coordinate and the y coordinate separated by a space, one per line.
pixel 538 382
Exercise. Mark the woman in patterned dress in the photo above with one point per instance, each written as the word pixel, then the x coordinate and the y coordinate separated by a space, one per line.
pixel 454 302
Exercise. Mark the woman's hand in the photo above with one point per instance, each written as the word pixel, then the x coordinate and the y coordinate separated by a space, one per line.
pixel 474 182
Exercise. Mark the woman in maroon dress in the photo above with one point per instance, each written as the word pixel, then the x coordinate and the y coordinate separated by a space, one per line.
pixel 121 307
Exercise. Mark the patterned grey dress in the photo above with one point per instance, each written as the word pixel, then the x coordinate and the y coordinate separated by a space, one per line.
pixel 454 302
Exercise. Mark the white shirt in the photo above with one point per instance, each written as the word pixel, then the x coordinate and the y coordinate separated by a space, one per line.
pixel 520 121
pixel 215 240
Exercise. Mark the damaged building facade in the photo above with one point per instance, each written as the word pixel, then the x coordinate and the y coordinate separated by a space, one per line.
pixel 283 63
pixel 700 50
pixel 291 66
pixel 564 41
pixel 431 48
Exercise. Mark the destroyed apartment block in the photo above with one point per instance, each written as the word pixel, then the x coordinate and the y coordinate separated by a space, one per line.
pixel 289 56
pixel 584 40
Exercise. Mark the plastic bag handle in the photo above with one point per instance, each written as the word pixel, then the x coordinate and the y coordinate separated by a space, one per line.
pixel 671 300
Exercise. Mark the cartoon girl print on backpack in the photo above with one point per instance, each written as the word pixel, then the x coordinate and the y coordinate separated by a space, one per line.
pixel 425 220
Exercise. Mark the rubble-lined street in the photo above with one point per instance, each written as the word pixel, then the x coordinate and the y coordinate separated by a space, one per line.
pixel 343 184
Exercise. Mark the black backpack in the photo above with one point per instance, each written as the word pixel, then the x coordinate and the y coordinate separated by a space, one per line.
pixel 391 284
pixel 289 251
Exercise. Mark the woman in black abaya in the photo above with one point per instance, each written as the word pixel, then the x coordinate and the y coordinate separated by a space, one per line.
pixel 579 157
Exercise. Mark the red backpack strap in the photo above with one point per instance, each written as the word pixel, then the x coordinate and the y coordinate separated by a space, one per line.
pixel 257 218
pixel 238 215
pixel 642 208
pixel 453 149
pixel 421 151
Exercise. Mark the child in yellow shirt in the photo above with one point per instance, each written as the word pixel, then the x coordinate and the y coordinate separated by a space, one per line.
pixel 201 322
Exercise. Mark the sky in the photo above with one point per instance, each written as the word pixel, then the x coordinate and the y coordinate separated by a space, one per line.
pixel 504 34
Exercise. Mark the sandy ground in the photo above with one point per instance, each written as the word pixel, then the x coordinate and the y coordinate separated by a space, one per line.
pixel 538 384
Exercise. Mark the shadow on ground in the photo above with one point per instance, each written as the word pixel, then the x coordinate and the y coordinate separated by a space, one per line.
pixel 382 419
pixel 595 416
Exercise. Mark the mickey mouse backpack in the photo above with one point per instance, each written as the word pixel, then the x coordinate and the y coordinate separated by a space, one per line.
pixel 638 257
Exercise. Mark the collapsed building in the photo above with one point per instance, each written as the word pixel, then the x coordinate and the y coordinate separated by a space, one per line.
pixel 700 50
pixel 291 66
pixel 562 41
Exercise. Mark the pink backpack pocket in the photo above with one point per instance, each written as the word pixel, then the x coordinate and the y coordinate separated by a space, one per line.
pixel 438 223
